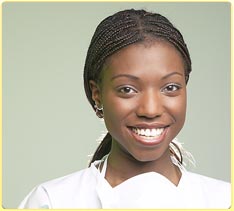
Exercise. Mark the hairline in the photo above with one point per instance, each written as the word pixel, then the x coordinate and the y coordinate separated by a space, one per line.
pixel 147 42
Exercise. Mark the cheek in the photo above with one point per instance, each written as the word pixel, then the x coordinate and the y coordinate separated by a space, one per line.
pixel 118 110
pixel 115 111
pixel 177 108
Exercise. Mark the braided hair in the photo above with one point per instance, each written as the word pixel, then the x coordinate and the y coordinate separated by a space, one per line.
pixel 118 31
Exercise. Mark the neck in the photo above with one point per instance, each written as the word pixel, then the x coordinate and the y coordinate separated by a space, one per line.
pixel 123 166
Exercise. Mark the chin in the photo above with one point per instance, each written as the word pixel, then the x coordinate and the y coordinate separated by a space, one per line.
pixel 152 154
pixel 146 157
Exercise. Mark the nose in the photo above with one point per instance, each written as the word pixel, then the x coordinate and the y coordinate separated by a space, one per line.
pixel 150 105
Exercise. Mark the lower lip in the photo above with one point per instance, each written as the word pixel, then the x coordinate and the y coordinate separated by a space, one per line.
pixel 150 141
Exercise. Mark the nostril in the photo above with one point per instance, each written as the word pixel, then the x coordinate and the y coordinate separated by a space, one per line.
pixel 150 105
pixel 150 111
pixel 148 116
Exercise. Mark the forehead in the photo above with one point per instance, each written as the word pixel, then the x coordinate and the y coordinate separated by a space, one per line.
pixel 154 57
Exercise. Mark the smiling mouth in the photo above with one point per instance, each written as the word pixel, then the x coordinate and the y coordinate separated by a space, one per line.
pixel 149 136
pixel 148 133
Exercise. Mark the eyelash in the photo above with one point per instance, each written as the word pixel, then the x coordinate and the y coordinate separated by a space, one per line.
pixel 168 89
pixel 174 86
pixel 121 90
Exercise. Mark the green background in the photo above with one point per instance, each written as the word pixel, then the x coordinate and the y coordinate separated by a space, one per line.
pixel 49 129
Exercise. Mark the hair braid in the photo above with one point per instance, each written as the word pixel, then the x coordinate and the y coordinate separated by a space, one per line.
pixel 118 31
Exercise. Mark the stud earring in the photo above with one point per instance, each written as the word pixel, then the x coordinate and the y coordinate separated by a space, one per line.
pixel 99 111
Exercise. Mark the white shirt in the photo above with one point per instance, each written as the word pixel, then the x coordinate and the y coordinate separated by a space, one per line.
pixel 89 189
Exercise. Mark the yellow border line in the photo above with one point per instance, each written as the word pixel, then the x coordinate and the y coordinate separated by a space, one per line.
pixel 232 104
pixel 129 1
pixel 135 1
pixel 1 102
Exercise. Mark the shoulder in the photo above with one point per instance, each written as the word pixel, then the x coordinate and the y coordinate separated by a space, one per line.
pixel 208 181
pixel 215 192
pixel 69 181
pixel 62 191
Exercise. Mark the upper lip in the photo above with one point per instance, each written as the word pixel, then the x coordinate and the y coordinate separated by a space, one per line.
pixel 149 126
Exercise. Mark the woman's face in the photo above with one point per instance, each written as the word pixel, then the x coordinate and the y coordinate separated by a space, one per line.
pixel 143 93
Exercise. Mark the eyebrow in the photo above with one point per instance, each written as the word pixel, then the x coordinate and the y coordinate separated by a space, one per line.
pixel 171 74
pixel 136 78
pixel 126 76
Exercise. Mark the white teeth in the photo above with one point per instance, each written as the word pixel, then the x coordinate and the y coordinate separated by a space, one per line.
pixel 159 131
pixel 148 132
pixel 154 132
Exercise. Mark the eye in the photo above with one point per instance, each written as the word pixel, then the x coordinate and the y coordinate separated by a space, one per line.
pixel 127 90
pixel 171 88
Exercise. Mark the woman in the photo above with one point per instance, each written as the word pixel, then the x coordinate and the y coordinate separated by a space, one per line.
pixel 135 77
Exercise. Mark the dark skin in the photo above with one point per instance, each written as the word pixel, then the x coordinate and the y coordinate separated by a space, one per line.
pixel 143 87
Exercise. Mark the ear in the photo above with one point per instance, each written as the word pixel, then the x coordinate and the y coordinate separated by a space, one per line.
pixel 96 92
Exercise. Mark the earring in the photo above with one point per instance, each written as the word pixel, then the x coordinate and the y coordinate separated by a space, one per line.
pixel 99 111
